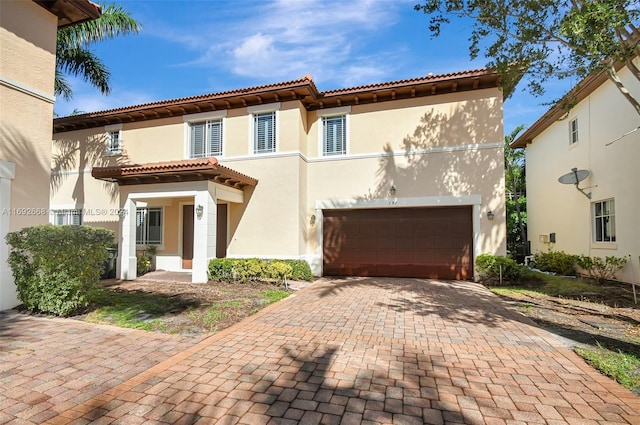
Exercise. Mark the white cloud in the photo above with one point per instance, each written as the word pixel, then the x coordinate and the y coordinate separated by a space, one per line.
pixel 286 39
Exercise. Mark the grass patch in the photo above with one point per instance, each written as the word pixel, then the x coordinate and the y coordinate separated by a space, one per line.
pixel 214 308
pixel 553 286
pixel 274 295
pixel 624 368
pixel 128 309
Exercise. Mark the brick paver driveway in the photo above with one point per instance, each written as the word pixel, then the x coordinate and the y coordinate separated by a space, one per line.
pixel 403 351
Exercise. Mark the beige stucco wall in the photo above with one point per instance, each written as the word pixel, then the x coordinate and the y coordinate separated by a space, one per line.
pixel 447 146
pixel 27 64
pixel 614 173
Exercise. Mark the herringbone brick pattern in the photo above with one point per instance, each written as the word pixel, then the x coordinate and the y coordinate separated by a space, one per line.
pixel 353 351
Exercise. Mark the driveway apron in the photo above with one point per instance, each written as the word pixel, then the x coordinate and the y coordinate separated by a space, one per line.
pixel 341 351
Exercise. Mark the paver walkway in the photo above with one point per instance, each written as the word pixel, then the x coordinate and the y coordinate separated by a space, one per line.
pixel 402 351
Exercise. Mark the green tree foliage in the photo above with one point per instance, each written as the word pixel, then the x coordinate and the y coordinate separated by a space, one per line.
pixel 547 39
pixel 515 186
pixel 74 57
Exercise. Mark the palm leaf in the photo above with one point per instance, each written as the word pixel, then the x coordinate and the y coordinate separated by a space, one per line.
pixel 84 63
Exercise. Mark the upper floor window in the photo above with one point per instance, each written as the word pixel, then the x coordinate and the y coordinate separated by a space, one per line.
pixel 264 132
pixel 113 144
pixel 573 131
pixel 149 226
pixel 333 131
pixel 604 221
pixel 334 135
pixel 205 138
pixel 67 217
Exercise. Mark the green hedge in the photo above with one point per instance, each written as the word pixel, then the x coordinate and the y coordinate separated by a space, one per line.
pixel 56 267
pixel 556 261
pixel 256 269
pixel 491 266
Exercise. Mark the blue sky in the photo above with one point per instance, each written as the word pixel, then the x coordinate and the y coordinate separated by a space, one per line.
pixel 190 47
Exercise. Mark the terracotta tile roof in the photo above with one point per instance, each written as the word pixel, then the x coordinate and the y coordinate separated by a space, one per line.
pixel 407 82
pixel 306 80
pixel 302 90
pixel 174 171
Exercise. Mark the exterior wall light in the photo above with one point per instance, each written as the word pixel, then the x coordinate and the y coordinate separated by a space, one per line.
pixel 312 221
pixel 392 190
pixel 199 211
pixel 490 215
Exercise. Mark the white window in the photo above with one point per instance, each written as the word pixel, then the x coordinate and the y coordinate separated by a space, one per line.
pixel 604 221
pixel 113 143
pixel 205 138
pixel 264 132
pixel 334 135
pixel 67 217
pixel 573 131
pixel 149 226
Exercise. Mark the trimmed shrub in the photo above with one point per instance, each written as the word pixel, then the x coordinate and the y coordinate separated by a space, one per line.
pixel 601 269
pixel 56 267
pixel 254 269
pixel 557 262
pixel 300 270
pixel 490 266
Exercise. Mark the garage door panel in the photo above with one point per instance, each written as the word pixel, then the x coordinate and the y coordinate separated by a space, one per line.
pixel 407 242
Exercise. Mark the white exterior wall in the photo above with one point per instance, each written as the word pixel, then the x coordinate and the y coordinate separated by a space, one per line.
pixel 614 173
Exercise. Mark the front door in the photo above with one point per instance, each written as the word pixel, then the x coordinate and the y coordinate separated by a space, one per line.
pixel 221 233
pixel 187 236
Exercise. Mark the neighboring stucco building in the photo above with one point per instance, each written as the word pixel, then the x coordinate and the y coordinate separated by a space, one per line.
pixel 395 179
pixel 27 69
pixel 592 137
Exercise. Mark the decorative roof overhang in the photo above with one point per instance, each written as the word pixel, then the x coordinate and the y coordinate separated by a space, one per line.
pixel 303 90
pixel 71 12
pixel 405 89
pixel 174 171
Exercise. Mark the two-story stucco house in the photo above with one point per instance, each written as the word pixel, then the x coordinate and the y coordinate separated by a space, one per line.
pixel 27 70
pixel 394 179
pixel 600 138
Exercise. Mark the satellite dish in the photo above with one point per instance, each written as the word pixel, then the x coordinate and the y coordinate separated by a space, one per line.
pixel 575 177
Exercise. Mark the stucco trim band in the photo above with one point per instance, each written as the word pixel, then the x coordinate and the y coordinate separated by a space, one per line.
pixel 23 88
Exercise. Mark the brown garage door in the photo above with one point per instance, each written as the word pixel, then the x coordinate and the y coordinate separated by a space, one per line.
pixel 399 242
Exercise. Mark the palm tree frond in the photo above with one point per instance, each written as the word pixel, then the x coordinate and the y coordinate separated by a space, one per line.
pixel 62 87
pixel 115 21
pixel 84 63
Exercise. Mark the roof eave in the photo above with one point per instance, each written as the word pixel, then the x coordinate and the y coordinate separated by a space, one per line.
pixel 581 91
pixel 71 12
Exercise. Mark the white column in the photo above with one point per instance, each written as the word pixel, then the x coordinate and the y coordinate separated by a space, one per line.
pixel 204 238
pixel 8 294
pixel 127 262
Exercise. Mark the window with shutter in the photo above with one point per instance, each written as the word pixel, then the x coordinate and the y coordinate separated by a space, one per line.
pixel 334 135
pixel 264 132
pixel 205 139
pixel 113 143
pixel 67 217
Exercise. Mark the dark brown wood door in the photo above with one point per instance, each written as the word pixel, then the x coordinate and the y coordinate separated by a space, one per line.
pixel 221 231
pixel 431 242
pixel 187 236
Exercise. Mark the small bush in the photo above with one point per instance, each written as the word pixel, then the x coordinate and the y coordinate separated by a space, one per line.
pixel 56 267
pixel 490 266
pixel 601 269
pixel 143 263
pixel 300 270
pixel 557 262
pixel 255 269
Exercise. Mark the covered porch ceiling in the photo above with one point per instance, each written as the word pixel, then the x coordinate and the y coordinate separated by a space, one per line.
pixel 174 172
